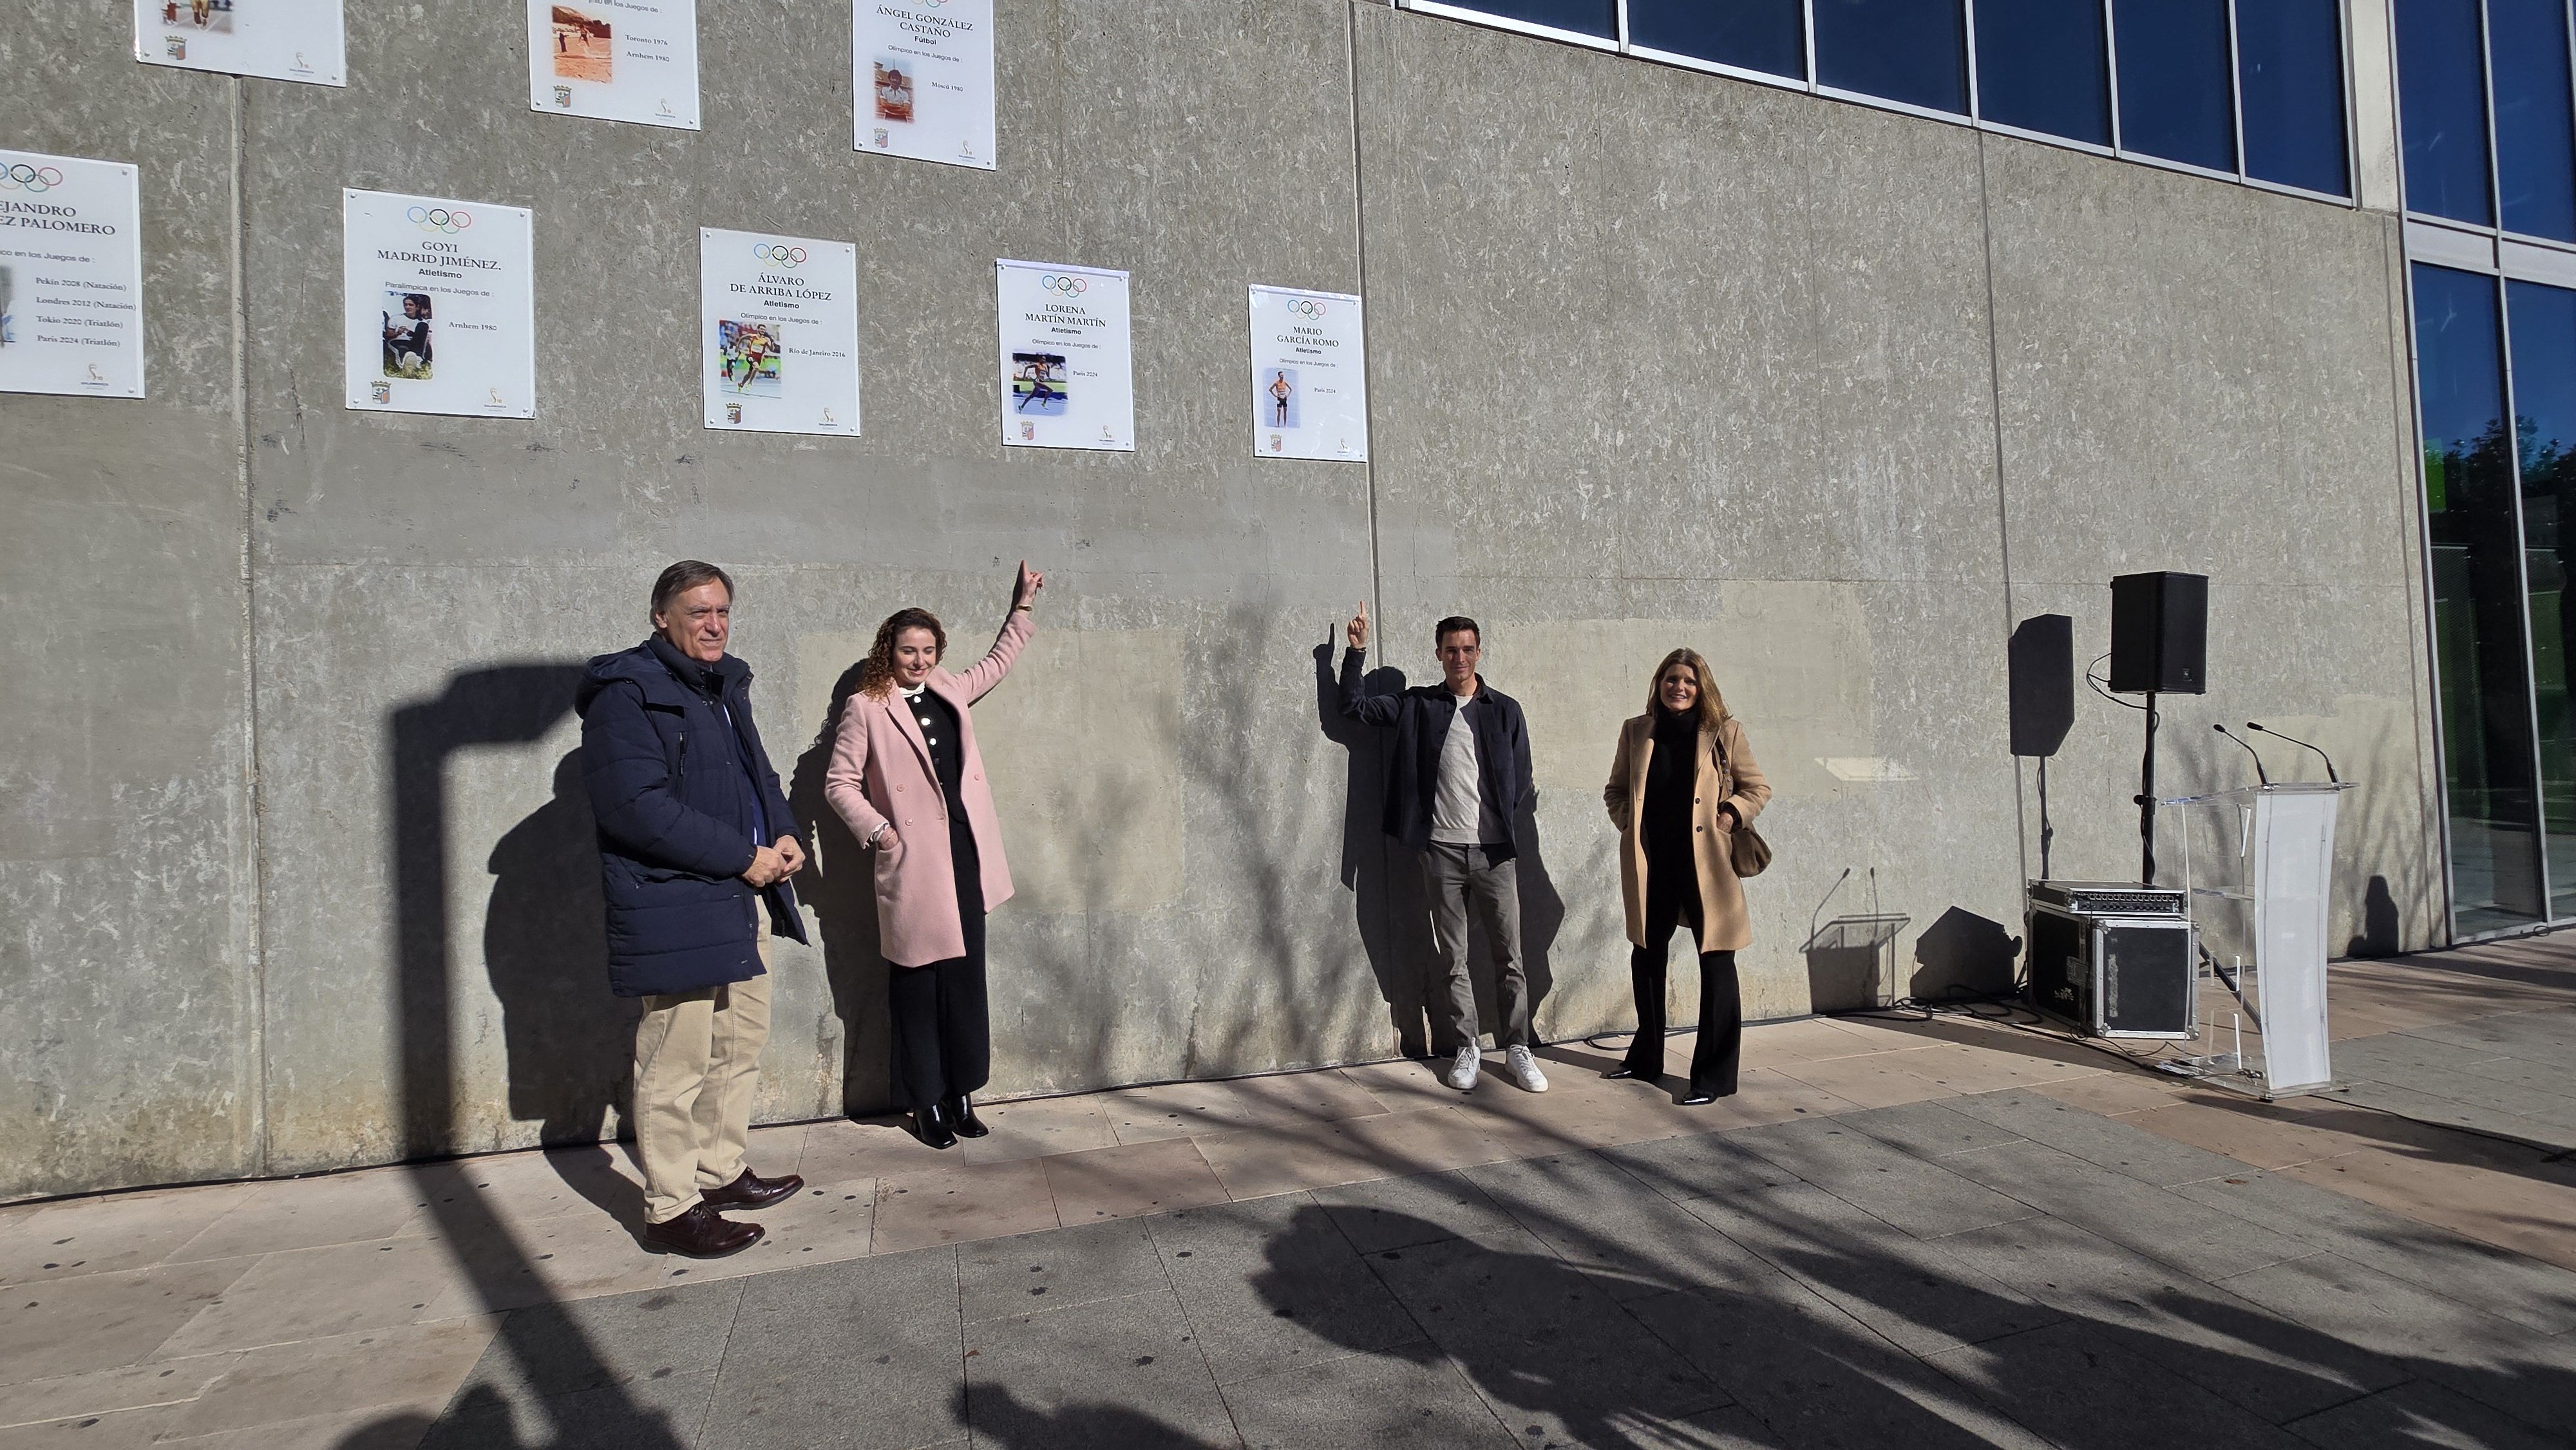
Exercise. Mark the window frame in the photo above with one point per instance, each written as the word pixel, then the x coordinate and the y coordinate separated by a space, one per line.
pixel 1808 84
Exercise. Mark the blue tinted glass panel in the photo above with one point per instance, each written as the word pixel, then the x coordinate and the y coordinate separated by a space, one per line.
pixel 2441 90
pixel 2289 60
pixel 2478 609
pixel 1914 51
pixel 2176 100
pixel 2544 409
pixel 2042 65
pixel 2535 151
pixel 1765 35
pixel 1584 17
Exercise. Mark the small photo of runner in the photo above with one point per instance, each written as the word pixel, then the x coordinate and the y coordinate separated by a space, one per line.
pixel 894 91
pixel 214 16
pixel 585 49
pixel 1280 395
pixel 1038 385
pixel 406 321
pixel 749 358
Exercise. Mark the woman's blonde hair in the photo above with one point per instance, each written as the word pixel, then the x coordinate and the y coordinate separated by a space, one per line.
pixel 876 672
pixel 1712 705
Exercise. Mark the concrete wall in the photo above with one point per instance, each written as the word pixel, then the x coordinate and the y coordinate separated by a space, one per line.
pixel 1832 394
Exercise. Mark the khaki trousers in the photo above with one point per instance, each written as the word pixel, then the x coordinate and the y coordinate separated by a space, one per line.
pixel 697 1060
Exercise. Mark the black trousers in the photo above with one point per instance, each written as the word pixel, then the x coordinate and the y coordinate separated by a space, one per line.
pixel 1672 900
pixel 943 1036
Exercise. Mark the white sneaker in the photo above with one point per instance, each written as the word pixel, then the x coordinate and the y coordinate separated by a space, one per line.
pixel 1462 1073
pixel 1524 1070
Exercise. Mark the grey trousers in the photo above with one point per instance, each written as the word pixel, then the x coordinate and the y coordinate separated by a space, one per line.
pixel 1461 882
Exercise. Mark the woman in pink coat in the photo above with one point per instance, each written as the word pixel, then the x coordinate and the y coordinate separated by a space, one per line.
pixel 908 780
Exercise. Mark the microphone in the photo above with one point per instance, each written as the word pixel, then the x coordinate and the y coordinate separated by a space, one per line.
pixel 2250 750
pixel 1819 912
pixel 2331 777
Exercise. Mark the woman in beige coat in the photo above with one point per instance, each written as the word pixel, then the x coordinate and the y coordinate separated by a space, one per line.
pixel 1682 781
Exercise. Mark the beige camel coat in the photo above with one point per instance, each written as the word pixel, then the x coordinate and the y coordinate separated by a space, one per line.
pixel 1725 925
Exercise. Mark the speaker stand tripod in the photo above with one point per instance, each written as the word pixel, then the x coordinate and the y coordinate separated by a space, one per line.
pixel 2147 800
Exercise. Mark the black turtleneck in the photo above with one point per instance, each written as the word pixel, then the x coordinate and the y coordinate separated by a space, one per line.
pixel 1672 773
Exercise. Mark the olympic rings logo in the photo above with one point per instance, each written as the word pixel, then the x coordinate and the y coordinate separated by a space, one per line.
pixel 22 177
pixel 781 256
pixel 1306 307
pixel 440 219
pixel 1069 286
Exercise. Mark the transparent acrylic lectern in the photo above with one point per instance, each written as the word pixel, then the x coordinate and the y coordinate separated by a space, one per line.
pixel 2274 864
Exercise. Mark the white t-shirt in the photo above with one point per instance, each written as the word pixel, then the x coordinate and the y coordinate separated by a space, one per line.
pixel 1457 815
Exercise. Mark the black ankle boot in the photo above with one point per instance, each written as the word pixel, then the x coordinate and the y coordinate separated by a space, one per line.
pixel 934 1127
pixel 960 1113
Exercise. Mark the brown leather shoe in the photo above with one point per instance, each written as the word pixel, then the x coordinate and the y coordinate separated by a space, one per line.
pixel 702 1233
pixel 752 1191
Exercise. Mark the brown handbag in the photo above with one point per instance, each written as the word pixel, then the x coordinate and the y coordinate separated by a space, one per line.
pixel 1746 851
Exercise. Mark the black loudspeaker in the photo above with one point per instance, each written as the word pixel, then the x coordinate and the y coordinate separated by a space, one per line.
pixel 2042 667
pixel 2160 634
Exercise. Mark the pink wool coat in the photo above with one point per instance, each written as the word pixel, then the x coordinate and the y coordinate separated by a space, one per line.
pixel 881 772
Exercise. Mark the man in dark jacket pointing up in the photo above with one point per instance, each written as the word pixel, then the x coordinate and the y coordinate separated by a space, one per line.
pixel 696 848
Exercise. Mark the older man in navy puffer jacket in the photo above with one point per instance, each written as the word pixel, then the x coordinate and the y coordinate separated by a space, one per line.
pixel 696 852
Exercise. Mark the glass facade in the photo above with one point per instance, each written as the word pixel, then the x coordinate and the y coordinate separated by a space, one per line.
pixel 2487 121
pixel 1769 36
pixel 1910 51
pixel 2045 66
pixel 2289 73
pixel 2252 89
pixel 2177 82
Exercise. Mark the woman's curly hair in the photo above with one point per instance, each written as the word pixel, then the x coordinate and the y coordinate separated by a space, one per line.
pixel 876 673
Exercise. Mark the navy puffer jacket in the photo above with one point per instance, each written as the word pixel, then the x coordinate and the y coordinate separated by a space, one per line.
pixel 676 810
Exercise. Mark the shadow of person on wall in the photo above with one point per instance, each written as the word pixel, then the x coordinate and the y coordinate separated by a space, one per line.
pixel 570 1040
pixel 1388 906
pixel 2380 933
pixel 838 887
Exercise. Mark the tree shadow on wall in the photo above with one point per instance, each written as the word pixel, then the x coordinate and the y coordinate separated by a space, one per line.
pixel 838 888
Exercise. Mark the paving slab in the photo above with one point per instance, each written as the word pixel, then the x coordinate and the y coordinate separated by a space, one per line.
pixel 1633 1239
pixel 1817 1379
pixel 1274 1285
pixel 2419 1415
pixel 865 1355
pixel 1704 1165
pixel 2245 1354
pixel 2078 1387
pixel 108 1234
pixel 1414 1401
pixel 1543 1343
pixel 2108 1142
pixel 413 1368
pixel 1929 1130
pixel 645 1414
pixel 104 1321
pixel 2188 1235
pixel 1397 1213
pixel 1915 1194
pixel 2509 1285
pixel 2530 1378
pixel 1057 1269
pixel 1917 1295
pixel 1119 1373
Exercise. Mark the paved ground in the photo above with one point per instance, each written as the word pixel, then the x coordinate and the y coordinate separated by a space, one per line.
pixel 1903 1233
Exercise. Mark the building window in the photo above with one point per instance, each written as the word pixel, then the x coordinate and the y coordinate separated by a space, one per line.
pixel 1596 18
pixel 2177 101
pixel 2543 376
pixel 2441 95
pixel 2289 67
pixel 2042 65
pixel 1769 36
pixel 2478 609
pixel 1914 52
pixel 2534 143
